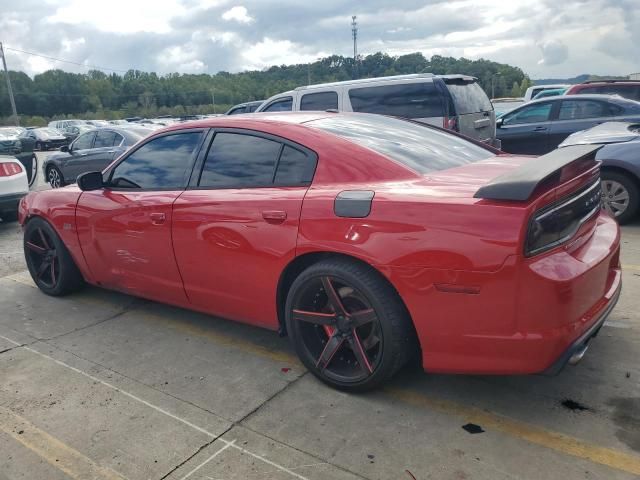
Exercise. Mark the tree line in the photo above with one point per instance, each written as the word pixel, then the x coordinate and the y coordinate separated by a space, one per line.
pixel 57 94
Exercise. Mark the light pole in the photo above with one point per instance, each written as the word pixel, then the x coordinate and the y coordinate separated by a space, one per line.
pixel 493 84
pixel 11 99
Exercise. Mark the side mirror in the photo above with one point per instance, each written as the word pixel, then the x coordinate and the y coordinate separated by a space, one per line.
pixel 90 181
pixel 499 122
pixel 64 148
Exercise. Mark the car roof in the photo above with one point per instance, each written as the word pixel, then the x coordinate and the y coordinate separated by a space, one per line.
pixel 254 118
pixel 591 96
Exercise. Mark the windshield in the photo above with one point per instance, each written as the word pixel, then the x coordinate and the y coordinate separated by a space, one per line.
pixel 417 146
pixel 9 131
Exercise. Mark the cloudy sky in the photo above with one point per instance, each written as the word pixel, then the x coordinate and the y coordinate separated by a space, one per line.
pixel 546 38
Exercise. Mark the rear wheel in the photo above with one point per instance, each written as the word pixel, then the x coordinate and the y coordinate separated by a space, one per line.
pixel 48 260
pixel 54 177
pixel 348 325
pixel 620 196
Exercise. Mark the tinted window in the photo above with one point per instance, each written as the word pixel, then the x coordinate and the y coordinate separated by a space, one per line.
pixel 164 162
pixel 104 138
pixel 468 97
pixel 294 168
pixel 590 90
pixel 237 160
pixel 417 146
pixel 581 109
pixel 410 100
pixel 319 101
pixel 529 114
pixel 117 139
pixel 252 108
pixel 282 105
pixel 84 141
pixel 236 111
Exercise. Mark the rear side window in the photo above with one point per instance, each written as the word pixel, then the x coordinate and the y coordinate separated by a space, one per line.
pixel 236 111
pixel 84 141
pixel 162 163
pixel 409 100
pixel 415 145
pixel 252 108
pixel 319 101
pixel 468 97
pixel 238 160
pixel 281 105
pixel 582 109
pixel 104 139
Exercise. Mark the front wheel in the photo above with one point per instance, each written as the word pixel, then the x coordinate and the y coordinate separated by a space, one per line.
pixel 620 196
pixel 48 260
pixel 54 177
pixel 348 325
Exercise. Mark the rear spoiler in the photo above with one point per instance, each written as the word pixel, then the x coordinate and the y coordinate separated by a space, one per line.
pixel 520 184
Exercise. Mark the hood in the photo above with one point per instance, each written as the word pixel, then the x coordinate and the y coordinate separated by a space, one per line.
pixel 6 137
pixel 610 132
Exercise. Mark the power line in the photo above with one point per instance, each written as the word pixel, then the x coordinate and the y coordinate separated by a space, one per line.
pixel 95 67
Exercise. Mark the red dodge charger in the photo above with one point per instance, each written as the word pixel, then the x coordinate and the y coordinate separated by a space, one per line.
pixel 368 240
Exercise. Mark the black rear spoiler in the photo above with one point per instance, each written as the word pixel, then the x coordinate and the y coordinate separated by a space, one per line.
pixel 519 184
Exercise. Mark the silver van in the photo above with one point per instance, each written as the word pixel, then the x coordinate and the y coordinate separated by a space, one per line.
pixel 455 102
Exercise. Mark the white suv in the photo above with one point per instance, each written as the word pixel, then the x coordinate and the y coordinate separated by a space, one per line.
pixel 455 102
pixel 60 125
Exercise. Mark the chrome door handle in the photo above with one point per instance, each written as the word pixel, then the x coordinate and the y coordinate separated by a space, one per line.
pixel 157 218
pixel 111 151
pixel 540 129
pixel 274 216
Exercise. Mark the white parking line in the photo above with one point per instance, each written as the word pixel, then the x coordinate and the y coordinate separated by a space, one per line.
pixel 218 452
pixel 158 409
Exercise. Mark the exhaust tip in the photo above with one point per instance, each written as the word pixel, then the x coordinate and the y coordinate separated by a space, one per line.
pixel 577 356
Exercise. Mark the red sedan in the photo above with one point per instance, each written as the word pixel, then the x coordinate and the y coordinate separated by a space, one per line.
pixel 367 239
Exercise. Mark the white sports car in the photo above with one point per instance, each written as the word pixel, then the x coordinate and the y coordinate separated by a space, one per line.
pixel 13 186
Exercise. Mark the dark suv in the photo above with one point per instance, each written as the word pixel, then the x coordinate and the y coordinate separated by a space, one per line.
pixel 624 88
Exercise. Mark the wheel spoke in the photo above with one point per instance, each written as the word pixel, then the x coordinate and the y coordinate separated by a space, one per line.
pixel 334 299
pixel 317 318
pixel 330 349
pixel 358 350
pixel 363 317
pixel 45 244
pixel 43 268
pixel 53 271
pixel 36 248
pixel 623 195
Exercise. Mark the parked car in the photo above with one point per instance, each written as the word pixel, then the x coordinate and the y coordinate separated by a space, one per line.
pixel 455 102
pixel 620 170
pixel 247 107
pixel 15 142
pixel 13 186
pixel 552 92
pixel 505 104
pixel 118 122
pixel 62 124
pixel 531 92
pixel 92 150
pixel 367 239
pixel 98 123
pixel 625 88
pixel 46 138
pixel 540 125
pixel 71 132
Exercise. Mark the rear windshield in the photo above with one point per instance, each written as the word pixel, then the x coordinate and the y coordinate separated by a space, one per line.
pixel 468 97
pixel 417 146
pixel 408 100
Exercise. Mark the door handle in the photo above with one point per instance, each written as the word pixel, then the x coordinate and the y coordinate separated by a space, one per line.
pixel 540 129
pixel 157 218
pixel 274 216
pixel 111 151
pixel 83 154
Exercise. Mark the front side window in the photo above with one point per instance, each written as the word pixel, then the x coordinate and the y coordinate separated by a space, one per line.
pixel 236 111
pixel 84 141
pixel 319 101
pixel 582 109
pixel 409 100
pixel 529 114
pixel 281 105
pixel 162 163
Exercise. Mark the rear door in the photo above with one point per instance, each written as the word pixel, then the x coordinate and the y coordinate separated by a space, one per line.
pixel 319 100
pixel 105 149
pixel 575 115
pixel 235 229
pixel 525 130
pixel 124 229
pixel 473 109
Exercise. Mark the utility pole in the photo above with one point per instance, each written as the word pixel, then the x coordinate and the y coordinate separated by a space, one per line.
pixel 213 99
pixel 354 34
pixel 13 102
pixel 308 74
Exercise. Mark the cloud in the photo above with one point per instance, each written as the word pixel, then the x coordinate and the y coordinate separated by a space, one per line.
pixel 554 52
pixel 238 14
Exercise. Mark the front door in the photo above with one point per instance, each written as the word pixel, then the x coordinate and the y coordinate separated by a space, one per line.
pixel 526 129
pixel 235 231
pixel 79 152
pixel 125 228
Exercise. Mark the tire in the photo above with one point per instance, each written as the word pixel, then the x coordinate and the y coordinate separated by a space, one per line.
pixel 330 350
pixel 617 185
pixel 54 177
pixel 48 260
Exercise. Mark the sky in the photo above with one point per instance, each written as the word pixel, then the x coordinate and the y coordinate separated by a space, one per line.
pixel 546 38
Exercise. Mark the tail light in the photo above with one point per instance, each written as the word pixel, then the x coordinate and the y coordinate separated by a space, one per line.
pixel 450 123
pixel 8 169
pixel 558 222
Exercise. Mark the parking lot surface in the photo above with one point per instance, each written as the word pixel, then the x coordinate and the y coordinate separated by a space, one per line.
pixel 107 386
